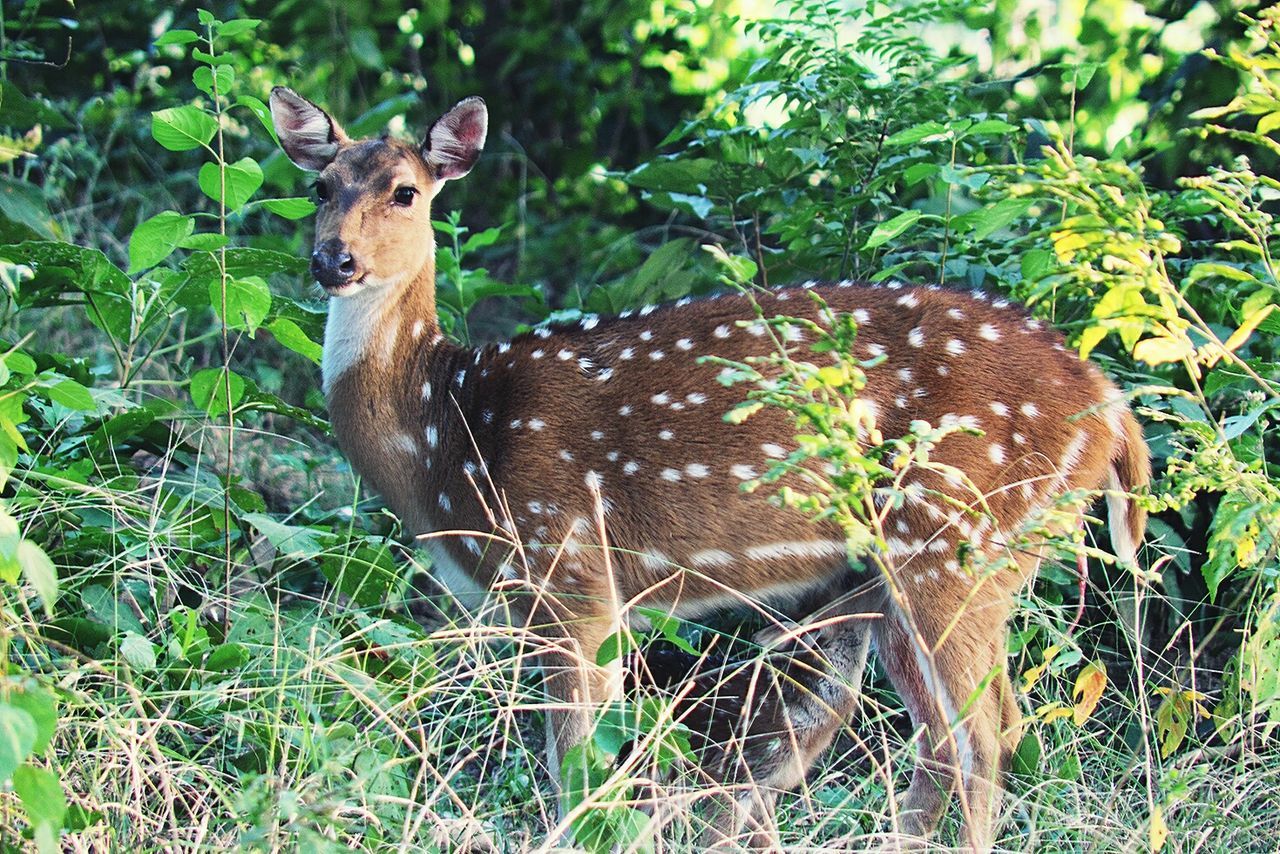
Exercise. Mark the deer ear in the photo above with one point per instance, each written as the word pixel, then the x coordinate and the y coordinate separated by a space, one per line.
pixel 453 143
pixel 308 135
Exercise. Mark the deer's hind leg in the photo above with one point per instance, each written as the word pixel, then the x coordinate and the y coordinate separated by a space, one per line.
pixel 943 651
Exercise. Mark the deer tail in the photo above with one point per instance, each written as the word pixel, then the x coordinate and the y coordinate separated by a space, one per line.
pixel 1130 472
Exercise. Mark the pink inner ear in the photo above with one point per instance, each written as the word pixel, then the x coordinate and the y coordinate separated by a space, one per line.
pixel 469 127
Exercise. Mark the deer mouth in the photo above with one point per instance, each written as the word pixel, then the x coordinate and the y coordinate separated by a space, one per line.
pixel 345 289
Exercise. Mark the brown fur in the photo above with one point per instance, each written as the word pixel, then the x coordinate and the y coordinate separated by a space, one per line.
pixel 528 442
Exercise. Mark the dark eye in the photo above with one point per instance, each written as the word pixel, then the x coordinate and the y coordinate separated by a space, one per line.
pixel 404 195
pixel 322 191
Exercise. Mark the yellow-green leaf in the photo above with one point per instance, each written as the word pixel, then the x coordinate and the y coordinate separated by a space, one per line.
pixel 1090 683
pixel 1159 831
pixel 1157 351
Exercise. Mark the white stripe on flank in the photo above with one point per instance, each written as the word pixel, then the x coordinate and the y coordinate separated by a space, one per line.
pixel 711 557
pixel 654 559
pixel 797 548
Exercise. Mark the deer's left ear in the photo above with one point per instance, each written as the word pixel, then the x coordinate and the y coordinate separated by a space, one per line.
pixel 453 143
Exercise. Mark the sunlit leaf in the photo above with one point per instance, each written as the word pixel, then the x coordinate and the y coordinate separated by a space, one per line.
pixel 17 739
pixel 1090 683
pixel 1159 831
pixel 43 799
pixel 248 301
pixel 1162 349
pixel 292 208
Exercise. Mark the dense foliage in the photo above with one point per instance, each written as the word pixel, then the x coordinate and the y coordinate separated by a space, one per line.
pixel 214 638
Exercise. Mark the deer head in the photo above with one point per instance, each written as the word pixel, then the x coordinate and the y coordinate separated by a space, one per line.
pixel 373 227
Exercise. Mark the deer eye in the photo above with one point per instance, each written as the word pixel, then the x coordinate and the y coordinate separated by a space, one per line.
pixel 403 196
pixel 322 191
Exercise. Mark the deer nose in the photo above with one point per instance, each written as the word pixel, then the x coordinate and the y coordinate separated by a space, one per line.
pixel 333 265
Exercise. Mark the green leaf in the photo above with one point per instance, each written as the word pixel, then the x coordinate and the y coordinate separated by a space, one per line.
pixel 19 362
pixel 43 708
pixel 154 239
pixel 1036 264
pixel 238 26
pixel 44 801
pixel 139 652
pixel 886 231
pixel 675 176
pixel 998 216
pixel 176 37
pixel 916 133
pixel 614 647
pixel 183 128
pixel 205 77
pixel 668 626
pixel 292 541
pixel 243 178
pixel 23 205
pixel 17 739
pixel 379 115
pixel 291 208
pixel 72 395
pixel 989 126
pixel 291 335
pixel 247 305
pixel 227 656
pixel 261 110
pixel 206 241
pixel 210 58
pixel 209 390
pixel 40 573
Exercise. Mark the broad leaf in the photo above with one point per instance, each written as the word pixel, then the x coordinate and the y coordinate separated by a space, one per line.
pixel 138 651
pixel 293 541
pixel 46 805
pixel 18 734
pixel 291 335
pixel 209 389
pixel 43 709
pixel 248 301
pixel 154 239
pixel 183 128
pixel 242 180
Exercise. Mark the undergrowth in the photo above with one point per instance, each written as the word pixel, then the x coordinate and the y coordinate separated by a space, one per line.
pixel 214 639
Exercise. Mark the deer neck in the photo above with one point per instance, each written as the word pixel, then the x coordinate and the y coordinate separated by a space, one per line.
pixel 367 328
pixel 381 347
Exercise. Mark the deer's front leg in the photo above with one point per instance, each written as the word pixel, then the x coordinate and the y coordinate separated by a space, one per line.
pixel 577 687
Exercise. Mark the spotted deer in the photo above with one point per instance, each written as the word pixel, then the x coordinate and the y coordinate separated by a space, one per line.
pixel 591 463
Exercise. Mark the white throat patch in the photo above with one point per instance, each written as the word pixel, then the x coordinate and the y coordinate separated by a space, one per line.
pixel 353 323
